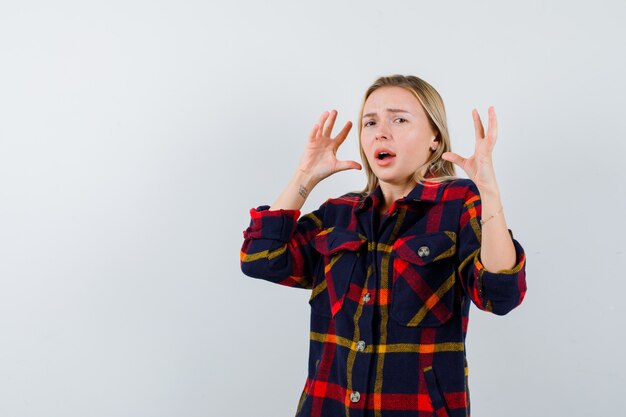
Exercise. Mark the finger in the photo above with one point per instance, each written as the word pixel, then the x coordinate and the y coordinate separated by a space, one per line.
pixel 321 121
pixel 314 131
pixel 345 165
pixel 492 130
pixel 479 132
pixel 343 134
pixel 330 122
pixel 454 158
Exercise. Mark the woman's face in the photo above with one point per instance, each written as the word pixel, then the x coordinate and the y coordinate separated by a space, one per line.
pixel 396 135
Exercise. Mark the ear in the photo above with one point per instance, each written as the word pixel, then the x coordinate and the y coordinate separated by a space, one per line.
pixel 434 143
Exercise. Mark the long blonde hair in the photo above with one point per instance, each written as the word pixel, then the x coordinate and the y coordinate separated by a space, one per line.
pixel 438 169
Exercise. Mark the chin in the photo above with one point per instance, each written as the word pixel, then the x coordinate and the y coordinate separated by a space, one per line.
pixel 392 179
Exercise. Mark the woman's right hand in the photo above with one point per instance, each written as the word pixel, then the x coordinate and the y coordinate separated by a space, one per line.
pixel 319 159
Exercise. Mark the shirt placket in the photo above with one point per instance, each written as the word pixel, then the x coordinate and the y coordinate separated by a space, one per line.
pixel 362 347
pixel 363 370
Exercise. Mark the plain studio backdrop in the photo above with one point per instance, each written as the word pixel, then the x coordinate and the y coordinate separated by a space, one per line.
pixel 135 136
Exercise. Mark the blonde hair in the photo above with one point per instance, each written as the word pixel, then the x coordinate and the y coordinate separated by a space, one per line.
pixel 438 169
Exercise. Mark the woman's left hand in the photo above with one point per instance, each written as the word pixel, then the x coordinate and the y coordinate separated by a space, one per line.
pixel 479 167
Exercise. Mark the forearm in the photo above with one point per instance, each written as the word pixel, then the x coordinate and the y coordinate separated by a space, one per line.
pixel 497 251
pixel 296 192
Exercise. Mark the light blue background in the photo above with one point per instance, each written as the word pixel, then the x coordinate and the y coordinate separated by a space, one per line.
pixel 136 135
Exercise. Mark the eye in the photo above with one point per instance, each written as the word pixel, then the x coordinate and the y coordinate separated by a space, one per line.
pixel 400 120
pixel 368 123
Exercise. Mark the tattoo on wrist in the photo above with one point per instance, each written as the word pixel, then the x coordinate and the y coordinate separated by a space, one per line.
pixel 303 191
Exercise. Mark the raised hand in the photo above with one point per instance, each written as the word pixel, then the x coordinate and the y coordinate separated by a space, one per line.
pixel 479 166
pixel 320 155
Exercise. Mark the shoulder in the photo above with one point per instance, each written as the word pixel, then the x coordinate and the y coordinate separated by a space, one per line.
pixel 350 199
pixel 462 187
pixel 342 206
pixel 345 201
pixel 460 182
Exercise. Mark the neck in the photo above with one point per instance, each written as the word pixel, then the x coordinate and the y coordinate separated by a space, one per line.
pixel 395 191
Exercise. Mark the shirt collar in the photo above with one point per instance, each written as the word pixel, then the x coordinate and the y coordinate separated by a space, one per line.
pixel 429 191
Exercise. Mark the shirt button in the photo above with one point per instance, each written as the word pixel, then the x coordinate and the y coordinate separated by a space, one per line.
pixel 366 298
pixel 355 396
pixel 360 346
pixel 423 251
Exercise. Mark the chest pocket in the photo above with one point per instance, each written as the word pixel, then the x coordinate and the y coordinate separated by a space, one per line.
pixel 341 259
pixel 424 274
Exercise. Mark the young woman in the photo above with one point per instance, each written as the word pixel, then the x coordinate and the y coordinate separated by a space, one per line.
pixel 392 269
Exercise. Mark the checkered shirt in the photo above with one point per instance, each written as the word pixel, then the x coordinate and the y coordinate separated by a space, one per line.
pixel 390 296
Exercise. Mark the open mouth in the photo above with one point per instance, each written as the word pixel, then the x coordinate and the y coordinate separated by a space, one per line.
pixel 384 155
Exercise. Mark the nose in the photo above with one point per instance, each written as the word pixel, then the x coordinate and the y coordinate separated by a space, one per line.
pixel 381 132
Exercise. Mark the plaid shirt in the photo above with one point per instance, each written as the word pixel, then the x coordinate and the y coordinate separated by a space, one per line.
pixel 390 296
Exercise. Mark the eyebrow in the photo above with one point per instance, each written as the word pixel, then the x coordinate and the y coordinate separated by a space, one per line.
pixel 388 110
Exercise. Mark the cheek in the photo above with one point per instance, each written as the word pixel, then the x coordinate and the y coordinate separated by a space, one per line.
pixel 364 143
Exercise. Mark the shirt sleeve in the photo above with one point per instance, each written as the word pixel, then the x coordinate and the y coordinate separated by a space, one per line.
pixel 498 292
pixel 277 246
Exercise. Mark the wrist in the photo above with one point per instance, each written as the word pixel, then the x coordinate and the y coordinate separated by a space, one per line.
pixel 305 179
pixel 491 204
pixel 484 220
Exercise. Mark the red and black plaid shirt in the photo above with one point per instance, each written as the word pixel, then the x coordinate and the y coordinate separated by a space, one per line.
pixel 390 296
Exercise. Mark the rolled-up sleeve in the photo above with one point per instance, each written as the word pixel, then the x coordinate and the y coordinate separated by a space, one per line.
pixel 498 292
pixel 277 245
pixel 276 225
